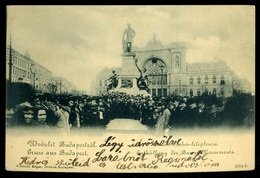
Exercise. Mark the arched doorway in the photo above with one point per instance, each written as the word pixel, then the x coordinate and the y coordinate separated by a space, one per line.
pixel 156 71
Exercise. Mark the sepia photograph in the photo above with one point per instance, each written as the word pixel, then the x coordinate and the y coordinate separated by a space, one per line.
pixel 130 88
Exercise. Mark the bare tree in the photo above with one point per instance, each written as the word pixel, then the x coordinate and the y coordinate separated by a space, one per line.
pixel 53 87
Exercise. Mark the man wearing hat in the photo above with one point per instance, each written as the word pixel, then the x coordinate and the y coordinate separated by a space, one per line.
pixel 181 114
pixel 163 120
pixel 172 109
pixel 192 112
pixel 23 115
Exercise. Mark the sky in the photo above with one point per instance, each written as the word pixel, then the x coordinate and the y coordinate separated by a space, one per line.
pixel 76 42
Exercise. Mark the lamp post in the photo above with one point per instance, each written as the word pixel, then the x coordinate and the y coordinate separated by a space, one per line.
pixel 180 87
pixel 60 85
pixel 161 67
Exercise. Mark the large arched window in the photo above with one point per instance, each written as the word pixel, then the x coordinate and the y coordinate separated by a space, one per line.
pixel 155 66
pixel 156 71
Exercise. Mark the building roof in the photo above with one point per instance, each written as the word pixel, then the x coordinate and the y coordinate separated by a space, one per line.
pixel 27 54
pixel 156 44
pixel 39 65
pixel 14 52
pixel 215 65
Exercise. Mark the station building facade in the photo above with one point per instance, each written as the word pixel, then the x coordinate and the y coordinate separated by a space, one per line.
pixel 169 73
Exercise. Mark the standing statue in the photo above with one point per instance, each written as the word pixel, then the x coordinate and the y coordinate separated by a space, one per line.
pixel 112 82
pixel 142 80
pixel 128 37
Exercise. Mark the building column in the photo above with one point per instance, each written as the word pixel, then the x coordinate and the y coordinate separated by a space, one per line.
pixel 119 83
pixel 168 79
pixel 134 83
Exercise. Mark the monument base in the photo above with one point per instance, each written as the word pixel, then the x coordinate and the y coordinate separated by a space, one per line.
pixel 131 91
pixel 127 80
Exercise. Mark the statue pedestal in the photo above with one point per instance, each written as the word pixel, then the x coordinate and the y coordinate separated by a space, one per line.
pixel 128 65
pixel 127 82
pixel 132 83
pixel 131 91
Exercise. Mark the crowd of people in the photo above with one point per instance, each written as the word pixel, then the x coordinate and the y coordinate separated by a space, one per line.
pixel 157 113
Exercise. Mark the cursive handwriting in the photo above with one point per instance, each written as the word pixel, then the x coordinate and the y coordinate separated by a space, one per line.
pixel 27 161
pixel 101 157
pixel 168 141
pixel 194 157
pixel 108 143
pixel 73 162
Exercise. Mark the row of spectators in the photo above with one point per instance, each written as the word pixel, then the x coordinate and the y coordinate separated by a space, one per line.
pixel 66 112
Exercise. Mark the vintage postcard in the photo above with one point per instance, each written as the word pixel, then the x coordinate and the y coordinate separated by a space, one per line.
pixel 130 88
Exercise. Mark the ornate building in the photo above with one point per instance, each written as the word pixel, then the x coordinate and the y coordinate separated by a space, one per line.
pixel 165 65
pixel 169 74
pixel 209 77
pixel 41 77
pixel 21 66
pixel 26 70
